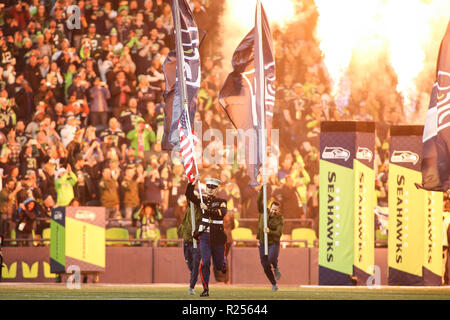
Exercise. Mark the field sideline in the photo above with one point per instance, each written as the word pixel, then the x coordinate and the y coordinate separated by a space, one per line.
pixel 39 291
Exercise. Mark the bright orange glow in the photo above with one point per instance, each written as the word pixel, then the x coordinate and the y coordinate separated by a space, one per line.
pixel 407 32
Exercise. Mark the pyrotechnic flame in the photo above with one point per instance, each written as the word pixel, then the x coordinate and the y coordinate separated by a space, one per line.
pixel 342 27
pixel 360 32
pixel 364 34
pixel 239 19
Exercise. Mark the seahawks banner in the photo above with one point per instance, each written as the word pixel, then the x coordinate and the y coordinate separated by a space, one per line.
pixel 436 135
pixel 346 204
pixel 172 95
pixel 432 263
pixel 406 207
pixel 58 240
pixel 77 239
pixel 239 96
pixel 364 205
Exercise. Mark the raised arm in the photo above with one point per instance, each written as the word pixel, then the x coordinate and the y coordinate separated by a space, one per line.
pixel 190 196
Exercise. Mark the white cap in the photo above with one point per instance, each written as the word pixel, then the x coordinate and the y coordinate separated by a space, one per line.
pixel 212 181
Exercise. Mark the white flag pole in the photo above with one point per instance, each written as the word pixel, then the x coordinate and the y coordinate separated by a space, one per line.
pixel 260 84
pixel 180 61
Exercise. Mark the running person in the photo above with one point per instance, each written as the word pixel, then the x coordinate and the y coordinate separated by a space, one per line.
pixel 275 222
pixel 210 231
pixel 191 254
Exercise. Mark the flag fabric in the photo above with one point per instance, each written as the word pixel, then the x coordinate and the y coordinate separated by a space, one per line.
pixel 436 135
pixel 191 38
pixel 240 99
pixel 186 148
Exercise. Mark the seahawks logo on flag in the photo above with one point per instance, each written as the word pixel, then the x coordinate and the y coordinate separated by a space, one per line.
pixel 190 42
pixel 191 39
pixel 240 99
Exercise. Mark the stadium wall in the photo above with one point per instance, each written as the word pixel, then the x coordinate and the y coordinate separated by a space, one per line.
pixel 166 265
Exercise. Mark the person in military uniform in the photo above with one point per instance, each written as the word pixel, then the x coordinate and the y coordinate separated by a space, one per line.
pixel 191 254
pixel 210 231
pixel 275 222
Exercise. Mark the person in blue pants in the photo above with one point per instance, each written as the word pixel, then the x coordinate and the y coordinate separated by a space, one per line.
pixel 191 255
pixel 209 231
pixel 274 231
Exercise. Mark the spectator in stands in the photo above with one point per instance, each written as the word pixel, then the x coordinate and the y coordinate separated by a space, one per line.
pixel 26 221
pixel 149 218
pixel 130 187
pixel 99 94
pixel 109 194
pixel 8 204
pixel 69 130
pixel 121 91
pixel 64 184
pixel 141 139
pixel 291 205
pixel 177 181
pixel 129 117
pixel 152 185
pixel 85 189
pixel 45 214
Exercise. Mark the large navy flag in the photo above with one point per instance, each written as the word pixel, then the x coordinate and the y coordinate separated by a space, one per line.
pixel 436 135
pixel 172 95
pixel 239 96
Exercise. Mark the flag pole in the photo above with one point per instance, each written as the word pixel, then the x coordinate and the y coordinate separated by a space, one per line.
pixel 260 83
pixel 180 61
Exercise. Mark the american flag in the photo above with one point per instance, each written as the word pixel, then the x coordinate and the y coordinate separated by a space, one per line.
pixel 186 148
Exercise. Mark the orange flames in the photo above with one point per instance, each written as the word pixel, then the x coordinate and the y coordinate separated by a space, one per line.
pixel 406 32
pixel 357 39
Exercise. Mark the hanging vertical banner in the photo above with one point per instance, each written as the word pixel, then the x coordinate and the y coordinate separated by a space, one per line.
pixel 77 238
pixel 432 263
pixel 364 204
pixel 338 149
pixel 58 240
pixel 406 207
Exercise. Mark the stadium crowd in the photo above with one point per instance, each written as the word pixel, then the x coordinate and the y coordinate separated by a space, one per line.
pixel 82 114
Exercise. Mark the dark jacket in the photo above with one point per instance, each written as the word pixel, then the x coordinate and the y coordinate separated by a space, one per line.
pixel 109 193
pixel 290 204
pixel 274 223
pixel 130 191
pixel 217 209
pixel 152 190
pixel 28 217
pixel 185 228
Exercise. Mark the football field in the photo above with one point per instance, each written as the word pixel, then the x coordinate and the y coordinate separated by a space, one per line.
pixel 33 291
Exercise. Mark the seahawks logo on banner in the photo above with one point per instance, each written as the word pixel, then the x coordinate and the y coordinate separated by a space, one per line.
pixel 346 213
pixel 404 156
pixel 335 153
pixel 406 207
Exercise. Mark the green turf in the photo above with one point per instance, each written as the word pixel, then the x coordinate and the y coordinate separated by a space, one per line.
pixel 157 292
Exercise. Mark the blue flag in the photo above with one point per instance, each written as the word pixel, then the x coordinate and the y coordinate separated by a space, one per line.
pixel 172 95
pixel 239 96
pixel 436 135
